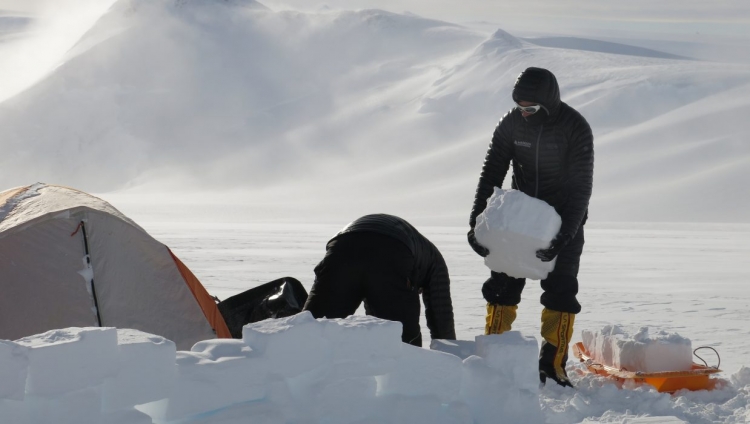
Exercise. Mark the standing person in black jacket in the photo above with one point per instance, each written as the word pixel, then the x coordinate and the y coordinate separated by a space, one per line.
pixel 551 147
pixel 385 262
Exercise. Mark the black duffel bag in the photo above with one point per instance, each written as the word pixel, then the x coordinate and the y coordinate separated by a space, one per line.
pixel 279 298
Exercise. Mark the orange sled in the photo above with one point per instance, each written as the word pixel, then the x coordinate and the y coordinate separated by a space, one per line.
pixel 667 381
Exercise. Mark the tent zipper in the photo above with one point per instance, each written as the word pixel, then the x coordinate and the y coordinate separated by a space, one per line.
pixel 88 262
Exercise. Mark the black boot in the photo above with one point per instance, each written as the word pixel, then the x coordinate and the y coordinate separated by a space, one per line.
pixel 547 366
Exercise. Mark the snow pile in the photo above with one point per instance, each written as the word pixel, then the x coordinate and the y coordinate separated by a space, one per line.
pixel 293 369
pixel 615 346
pixel 7 207
pixel 513 227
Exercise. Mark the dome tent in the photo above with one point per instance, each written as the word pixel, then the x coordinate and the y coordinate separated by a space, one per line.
pixel 69 259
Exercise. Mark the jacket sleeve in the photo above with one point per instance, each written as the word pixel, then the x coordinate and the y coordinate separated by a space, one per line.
pixel 438 307
pixel 496 164
pixel 580 177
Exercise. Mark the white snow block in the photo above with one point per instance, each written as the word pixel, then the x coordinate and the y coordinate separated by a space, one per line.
pixel 290 346
pixel 13 411
pixel 367 367
pixel 639 350
pixel 412 409
pixel 280 396
pixel 66 360
pixel 490 395
pixel 513 227
pixel 126 416
pixel 74 407
pixel 14 363
pixel 461 348
pixel 246 413
pixel 345 401
pixel 147 370
pixel 422 372
pixel 420 409
pixel 362 346
pixel 361 336
pixel 514 356
pixel 215 374
pixel 457 412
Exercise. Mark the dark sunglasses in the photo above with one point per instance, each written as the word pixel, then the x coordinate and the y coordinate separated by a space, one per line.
pixel 529 109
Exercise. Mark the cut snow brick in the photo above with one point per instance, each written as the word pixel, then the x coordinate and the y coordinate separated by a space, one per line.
pixel 363 346
pixel 246 413
pixel 618 347
pixel 513 404
pixel 422 372
pixel 345 401
pixel 361 336
pixel 513 227
pixel 147 370
pixel 461 348
pixel 13 411
pixel 66 360
pixel 215 374
pixel 14 363
pixel 126 416
pixel 280 396
pixel 74 407
pixel 514 356
pixel 291 346
pixel 413 409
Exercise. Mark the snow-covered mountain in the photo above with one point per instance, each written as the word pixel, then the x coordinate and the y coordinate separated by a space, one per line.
pixel 362 111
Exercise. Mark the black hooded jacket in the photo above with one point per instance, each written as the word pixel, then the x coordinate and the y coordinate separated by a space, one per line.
pixel 430 272
pixel 552 152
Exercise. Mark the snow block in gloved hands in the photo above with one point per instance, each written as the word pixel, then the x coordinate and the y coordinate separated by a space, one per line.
pixel 513 227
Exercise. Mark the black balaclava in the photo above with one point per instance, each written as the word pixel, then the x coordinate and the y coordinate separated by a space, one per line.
pixel 538 85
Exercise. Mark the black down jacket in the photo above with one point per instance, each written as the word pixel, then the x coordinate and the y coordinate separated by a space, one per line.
pixel 429 274
pixel 553 158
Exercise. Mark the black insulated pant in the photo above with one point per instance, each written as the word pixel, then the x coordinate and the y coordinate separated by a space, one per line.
pixel 369 267
pixel 560 287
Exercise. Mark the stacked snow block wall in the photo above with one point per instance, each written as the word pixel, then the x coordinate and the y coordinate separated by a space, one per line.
pixel 638 350
pixel 83 375
pixel 290 370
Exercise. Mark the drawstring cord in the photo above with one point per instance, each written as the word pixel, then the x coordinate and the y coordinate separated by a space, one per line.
pixel 702 360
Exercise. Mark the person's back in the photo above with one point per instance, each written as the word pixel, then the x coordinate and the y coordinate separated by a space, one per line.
pixel 384 261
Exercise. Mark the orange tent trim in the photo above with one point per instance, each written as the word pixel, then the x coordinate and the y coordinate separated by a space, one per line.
pixel 206 302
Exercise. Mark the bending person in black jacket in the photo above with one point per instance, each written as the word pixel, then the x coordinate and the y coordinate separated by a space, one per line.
pixel 385 262
pixel 551 147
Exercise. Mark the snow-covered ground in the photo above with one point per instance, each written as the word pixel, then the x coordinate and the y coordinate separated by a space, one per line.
pixel 243 134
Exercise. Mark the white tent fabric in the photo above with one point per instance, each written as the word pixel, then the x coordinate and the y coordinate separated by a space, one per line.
pixel 45 279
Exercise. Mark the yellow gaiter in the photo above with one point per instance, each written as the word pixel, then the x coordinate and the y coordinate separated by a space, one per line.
pixel 499 318
pixel 557 331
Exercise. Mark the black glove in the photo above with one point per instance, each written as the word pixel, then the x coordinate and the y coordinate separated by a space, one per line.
pixel 556 245
pixel 481 250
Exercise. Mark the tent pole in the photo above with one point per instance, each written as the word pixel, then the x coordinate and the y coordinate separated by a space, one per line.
pixel 88 261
